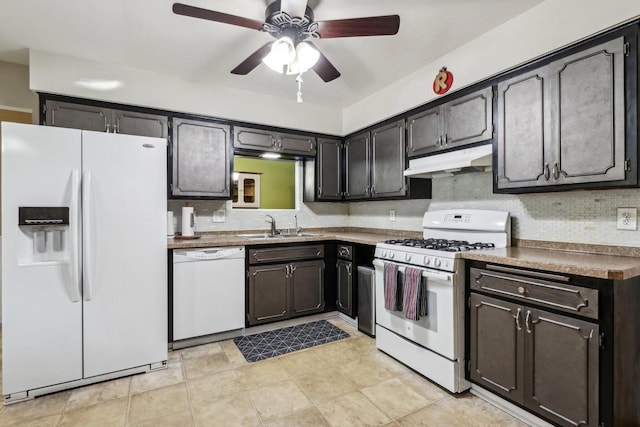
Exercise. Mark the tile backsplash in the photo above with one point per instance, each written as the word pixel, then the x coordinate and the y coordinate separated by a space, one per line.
pixel 568 216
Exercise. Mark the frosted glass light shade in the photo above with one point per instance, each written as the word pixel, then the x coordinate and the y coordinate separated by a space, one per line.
pixel 282 53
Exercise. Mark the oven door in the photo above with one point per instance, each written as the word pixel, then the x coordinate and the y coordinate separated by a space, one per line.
pixel 435 331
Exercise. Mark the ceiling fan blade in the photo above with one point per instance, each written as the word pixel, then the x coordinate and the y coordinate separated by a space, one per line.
pixel 324 68
pixel 212 15
pixel 246 66
pixel 387 25
pixel 295 8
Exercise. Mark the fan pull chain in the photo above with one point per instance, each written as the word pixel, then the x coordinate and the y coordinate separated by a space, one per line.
pixel 299 93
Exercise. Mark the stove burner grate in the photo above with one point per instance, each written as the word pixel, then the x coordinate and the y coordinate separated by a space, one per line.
pixel 441 244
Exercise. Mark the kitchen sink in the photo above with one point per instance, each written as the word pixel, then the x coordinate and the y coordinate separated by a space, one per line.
pixel 277 236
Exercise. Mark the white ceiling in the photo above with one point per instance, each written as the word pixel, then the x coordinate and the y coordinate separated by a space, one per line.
pixel 145 34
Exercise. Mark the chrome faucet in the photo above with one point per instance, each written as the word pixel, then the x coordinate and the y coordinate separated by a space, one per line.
pixel 272 220
pixel 298 229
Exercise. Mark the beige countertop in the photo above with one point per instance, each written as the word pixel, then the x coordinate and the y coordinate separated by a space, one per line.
pixel 350 235
pixel 603 266
pixel 604 262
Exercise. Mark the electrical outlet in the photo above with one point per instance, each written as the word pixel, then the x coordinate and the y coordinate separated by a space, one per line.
pixel 219 216
pixel 392 215
pixel 627 219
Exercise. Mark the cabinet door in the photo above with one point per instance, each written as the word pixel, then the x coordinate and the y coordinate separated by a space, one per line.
pixel 357 166
pixel 469 119
pixel 388 161
pixel 253 139
pixel 424 132
pixel 497 346
pixel 268 294
pixel 296 144
pixel 134 123
pixel 561 368
pixel 307 287
pixel 201 159
pixel 589 115
pixel 344 302
pixel 523 135
pixel 329 169
pixel 77 116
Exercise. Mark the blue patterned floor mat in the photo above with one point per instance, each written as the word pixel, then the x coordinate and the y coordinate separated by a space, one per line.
pixel 286 340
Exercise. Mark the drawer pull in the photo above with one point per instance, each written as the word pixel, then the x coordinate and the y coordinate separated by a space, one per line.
pixel 521 290
pixel 519 319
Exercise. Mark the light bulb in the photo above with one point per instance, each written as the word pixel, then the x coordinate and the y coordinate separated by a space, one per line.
pixel 284 50
pixel 306 55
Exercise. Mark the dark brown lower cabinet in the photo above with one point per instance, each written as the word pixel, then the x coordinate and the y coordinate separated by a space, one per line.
pixel 307 287
pixel 268 294
pixel 280 290
pixel 547 362
pixel 344 286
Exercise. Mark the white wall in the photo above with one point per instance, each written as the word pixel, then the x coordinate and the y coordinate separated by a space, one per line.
pixel 14 88
pixel 544 28
pixel 57 73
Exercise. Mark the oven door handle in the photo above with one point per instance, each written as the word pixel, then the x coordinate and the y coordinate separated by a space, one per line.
pixel 429 274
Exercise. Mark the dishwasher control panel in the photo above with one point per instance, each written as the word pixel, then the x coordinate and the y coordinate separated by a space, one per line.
pixel 212 253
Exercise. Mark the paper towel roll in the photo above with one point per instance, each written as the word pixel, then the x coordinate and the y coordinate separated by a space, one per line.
pixel 188 221
pixel 170 230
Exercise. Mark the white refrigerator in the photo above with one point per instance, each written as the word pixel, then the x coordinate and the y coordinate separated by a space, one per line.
pixel 84 258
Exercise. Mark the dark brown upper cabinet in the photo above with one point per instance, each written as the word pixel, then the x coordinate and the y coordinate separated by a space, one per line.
pixel 253 139
pixel 375 162
pixel 201 159
pixel 103 119
pixel 565 125
pixel 464 120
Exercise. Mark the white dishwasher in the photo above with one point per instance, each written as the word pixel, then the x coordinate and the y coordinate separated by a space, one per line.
pixel 208 291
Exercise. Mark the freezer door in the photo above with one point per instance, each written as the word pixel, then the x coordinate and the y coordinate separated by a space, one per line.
pixel 125 251
pixel 41 305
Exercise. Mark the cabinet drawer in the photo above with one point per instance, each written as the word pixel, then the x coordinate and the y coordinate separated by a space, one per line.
pixel 345 252
pixel 561 296
pixel 288 253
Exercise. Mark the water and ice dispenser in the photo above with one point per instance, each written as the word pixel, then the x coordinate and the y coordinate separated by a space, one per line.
pixel 47 228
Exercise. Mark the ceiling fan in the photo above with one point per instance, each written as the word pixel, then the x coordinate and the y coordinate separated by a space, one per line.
pixel 291 22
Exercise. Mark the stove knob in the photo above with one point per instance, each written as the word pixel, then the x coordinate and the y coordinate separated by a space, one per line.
pixel 407 257
pixel 426 261
pixel 437 262
pixel 384 253
pixel 392 254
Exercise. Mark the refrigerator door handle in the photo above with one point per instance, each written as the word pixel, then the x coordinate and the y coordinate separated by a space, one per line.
pixel 87 271
pixel 74 229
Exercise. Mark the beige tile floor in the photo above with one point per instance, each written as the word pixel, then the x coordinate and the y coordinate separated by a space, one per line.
pixel 346 383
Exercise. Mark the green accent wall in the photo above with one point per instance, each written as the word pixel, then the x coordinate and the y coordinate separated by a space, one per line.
pixel 277 180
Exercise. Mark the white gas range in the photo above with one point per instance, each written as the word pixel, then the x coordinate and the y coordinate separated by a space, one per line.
pixel 434 344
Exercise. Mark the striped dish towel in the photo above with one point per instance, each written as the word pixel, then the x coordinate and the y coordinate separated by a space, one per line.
pixel 390 285
pixel 412 280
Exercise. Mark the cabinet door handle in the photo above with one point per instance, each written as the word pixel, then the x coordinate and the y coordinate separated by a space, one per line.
pixel 292 268
pixel 107 128
pixel 519 319
pixel 349 269
pixel 547 174
pixel 439 142
pixel 446 139
pixel 527 322
pixel 556 171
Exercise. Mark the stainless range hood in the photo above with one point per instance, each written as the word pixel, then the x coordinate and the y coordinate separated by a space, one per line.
pixel 472 159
